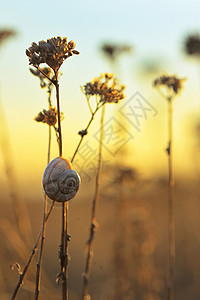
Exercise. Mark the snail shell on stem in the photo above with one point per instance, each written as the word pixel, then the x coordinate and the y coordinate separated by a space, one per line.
pixel 60 182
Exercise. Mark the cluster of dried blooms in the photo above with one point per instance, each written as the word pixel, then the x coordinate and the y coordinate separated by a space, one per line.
pixel 172 82
pixel 192 45
pixel 106 88
pixel 52 52
pixel 47 116
pixel 112 51
pixel 42 77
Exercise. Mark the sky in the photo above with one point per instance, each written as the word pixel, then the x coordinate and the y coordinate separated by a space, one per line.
pixel 155 29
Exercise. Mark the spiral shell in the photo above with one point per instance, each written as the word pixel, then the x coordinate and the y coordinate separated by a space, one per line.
pixel 60 182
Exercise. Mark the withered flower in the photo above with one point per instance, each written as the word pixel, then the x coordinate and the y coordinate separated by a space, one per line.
pixel 192 45
pixel 112 51
pixel 52 52
pixel 173 83
pixel 5 34
pixel 106 88
pixel 47 116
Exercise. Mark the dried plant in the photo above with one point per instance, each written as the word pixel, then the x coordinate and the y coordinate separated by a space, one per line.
pixel 105 89
pixel 112 51
pixel 53 52
pixel 192 45
pixel 172 86
pixel 48 117
pixel 6 34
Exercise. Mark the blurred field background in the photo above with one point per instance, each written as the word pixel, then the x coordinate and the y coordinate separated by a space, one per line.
pixel 130 249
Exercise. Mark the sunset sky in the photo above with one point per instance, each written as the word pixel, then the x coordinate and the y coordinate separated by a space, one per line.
pixel 155 29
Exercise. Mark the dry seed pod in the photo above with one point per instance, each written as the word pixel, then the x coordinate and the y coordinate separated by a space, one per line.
pixel 60 182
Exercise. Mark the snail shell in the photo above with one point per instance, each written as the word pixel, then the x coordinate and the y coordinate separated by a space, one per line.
pixel 60 182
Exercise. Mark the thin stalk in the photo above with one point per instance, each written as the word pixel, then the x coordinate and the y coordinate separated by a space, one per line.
pixel 22 275
pixel 93 226
pixel 67 239
pixel 86 129
pixel 45 75
pixel 171 206
pixel 59 121
pixel 49 146
pixel 64 252
pixel 64 243
pixel 39 263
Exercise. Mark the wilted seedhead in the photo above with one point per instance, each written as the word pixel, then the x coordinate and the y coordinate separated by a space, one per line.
pixel 47 116
pixel 105 87
pixel 172 83
pixel 52 52
pixel 192 45
pixel 5 34
pixel 112 51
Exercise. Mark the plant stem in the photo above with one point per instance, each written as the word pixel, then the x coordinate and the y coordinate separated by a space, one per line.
pixel 39 263
pixel 59 122
pixel 93 226
pixel 64 252
pixel 64 243
pixel 171 206
pixel 52 81
pixel 22 275
pixel 86 129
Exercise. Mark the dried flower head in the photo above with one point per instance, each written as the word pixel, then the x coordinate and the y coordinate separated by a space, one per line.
pixel 5 34
pixel 47 116
pixel 192 45
pixel 106 88
pixel 173 83
pixel 52 52
pixel 42 77
pixel 112 51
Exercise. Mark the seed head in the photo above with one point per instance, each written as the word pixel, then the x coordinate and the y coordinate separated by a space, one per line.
pixel 192 45
pixel 112 51
pixel 52 52
pixel 105 87
pixel 173 83
pixel 5 34
pixel 47 116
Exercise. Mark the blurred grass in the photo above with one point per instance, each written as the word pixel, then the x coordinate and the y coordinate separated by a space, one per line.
pixel 144 245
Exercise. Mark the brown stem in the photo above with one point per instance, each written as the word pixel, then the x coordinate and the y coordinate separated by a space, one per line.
pixel 171 207
pixel 64 252
pixel 93 226
pixel 52 81
pixel 64 244
pixel 22 275
pixel 49 146
pixel 59 121
pixel 39 263
pixel 86 129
